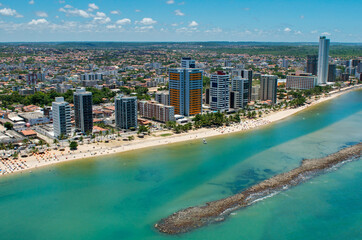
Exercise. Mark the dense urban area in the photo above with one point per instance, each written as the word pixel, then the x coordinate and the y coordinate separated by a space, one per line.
pixel 59 96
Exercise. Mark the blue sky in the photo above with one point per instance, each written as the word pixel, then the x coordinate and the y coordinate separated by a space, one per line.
pixel 180 20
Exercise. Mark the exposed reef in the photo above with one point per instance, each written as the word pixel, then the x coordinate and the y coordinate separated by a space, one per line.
pixel 195 217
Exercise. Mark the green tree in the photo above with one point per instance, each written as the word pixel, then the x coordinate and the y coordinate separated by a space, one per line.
pixel 8 125
pixel 73 145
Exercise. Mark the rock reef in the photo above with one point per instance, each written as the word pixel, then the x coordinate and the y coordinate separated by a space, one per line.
pixel 195 217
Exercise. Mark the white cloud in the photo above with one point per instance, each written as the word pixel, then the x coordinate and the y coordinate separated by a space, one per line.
pixel 31 2
pixel 326 33
pixel 297 32
pixel 101 17
pixel 301 16
pixel 193 24
pixel 186 30
pixel 68 6
pixel 0 4
pixel 111 26
pixel 181 3
pixel 287 29
pixel 10 12
pixel 143 28
pixel 41 14
pixel 115 12
pixel 174 24
pixel 137 10
pixel 92 6
pixel 214 30
pixel 314 31
pixel 75 12
pixel 179 13
pixel 148 21
pixel 170 2
pixel 246 9
pixel 124 21
pixel 38 21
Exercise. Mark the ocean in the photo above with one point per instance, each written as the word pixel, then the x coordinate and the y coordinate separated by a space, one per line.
pixel 122 196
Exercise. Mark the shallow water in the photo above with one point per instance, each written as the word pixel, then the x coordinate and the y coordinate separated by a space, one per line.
pixel 123 196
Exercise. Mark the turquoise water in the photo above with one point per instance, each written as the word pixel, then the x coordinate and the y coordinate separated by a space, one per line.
pixel 123 196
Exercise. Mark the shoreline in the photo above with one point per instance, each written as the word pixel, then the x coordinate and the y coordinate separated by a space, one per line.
pixel 191 218
pixel 95 150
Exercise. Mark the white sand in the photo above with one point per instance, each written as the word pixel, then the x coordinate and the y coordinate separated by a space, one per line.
pixel 114 146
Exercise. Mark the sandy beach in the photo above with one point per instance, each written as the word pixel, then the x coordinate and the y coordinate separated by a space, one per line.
pixel 115 146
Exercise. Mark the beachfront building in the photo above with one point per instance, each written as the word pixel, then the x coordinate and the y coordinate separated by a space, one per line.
pixel 244 74
pixel 303 81
pixel 219 92
pixel 61 118
pixel 185 86
pixel 83 112
pixel 332 72
pixel 268 88
pixel 312 63
pixel 323 58
pixel 126 112
pixel 156 111
pixel 239 96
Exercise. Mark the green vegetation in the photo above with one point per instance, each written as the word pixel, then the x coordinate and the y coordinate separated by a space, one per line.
pixel 143 129
pixel 8 125
pixel 73 145
pixel 46 99
pixel 166 134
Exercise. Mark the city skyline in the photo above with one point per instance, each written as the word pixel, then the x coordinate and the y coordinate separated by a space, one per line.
pixel 172 20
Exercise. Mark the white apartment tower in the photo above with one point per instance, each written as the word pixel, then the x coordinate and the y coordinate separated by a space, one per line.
pixel 240 87
pixel 61 117
pixel 323 57
pixel 219 92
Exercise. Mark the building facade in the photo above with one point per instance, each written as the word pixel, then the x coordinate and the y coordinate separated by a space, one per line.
pixel 323 58
pixel 268 88
pixel 301 82
pixel 126 112
pixel 156 111
pixel 332 72
pixel 185 86
pixel 83 111
pixel 163 98
pixel 240 88
pixel 219 92
pixel 61 117
pixel 312 64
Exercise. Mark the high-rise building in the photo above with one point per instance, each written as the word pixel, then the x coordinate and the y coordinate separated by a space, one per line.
pixel 359 67
pixel 185 86
pixel 219 92
pixel 255 93
pixel 312 64
pixel 61 117
pixel 126 112
pixel 268 88
pixel 163 98
pixel 332 72
pixel 240 88
pixel 244 74
pixel 158 112
pixel 323 58
pixel 301 81
pixel 187 62
pixel 249 75
pixel 285 63
pixel 83 111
